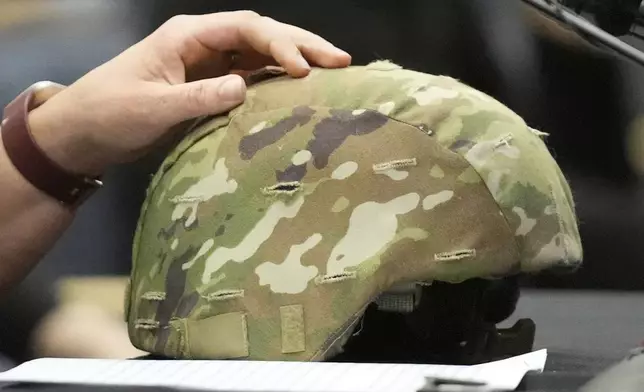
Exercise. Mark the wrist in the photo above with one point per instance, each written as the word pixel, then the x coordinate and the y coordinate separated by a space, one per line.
pixel 61 141
pixel 41 149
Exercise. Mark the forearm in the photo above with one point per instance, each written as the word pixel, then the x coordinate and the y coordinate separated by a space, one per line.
pixel 30 223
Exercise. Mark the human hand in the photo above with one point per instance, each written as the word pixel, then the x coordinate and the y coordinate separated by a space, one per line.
pixel 120 110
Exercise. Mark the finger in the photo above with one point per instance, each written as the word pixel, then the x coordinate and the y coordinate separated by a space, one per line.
pixel 314 54
pixel 324 56
pixel 318 50
pixel 296 58
pixel 267 37
pixel 310 46
pixel 202 98
pixel 287 54
pixel 242 31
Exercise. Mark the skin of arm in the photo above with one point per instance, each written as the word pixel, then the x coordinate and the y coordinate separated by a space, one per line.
pixel 123 108
pixel 30 224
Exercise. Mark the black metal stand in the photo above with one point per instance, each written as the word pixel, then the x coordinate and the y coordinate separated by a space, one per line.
pixel 587 29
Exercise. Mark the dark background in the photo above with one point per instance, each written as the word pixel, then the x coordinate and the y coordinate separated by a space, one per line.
pixel 588 99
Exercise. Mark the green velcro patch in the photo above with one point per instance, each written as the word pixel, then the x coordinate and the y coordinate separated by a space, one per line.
pixel 224 336
pixel 293 337
pixel 127 300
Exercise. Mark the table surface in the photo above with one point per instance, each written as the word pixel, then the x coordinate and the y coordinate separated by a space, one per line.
pixel 584 332
pixel 565 372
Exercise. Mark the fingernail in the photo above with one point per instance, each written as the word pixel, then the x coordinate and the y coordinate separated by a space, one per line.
pixel 233 90
pixel 342 52
pixel 303 63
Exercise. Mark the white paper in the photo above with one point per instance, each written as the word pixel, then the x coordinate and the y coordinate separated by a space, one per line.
pixel 270 376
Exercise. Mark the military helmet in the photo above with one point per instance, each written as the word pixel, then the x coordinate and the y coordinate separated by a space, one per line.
pixel 269 230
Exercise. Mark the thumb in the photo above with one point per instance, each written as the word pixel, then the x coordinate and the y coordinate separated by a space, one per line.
pixel 204 97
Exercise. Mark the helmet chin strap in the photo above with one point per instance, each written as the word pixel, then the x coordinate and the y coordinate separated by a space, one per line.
pixel 441 323
pixel 403 298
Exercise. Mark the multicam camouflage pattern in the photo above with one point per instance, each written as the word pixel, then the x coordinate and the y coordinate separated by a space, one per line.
pixel 268 230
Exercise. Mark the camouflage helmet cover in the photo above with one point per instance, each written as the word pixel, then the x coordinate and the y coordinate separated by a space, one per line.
pixel 268 230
